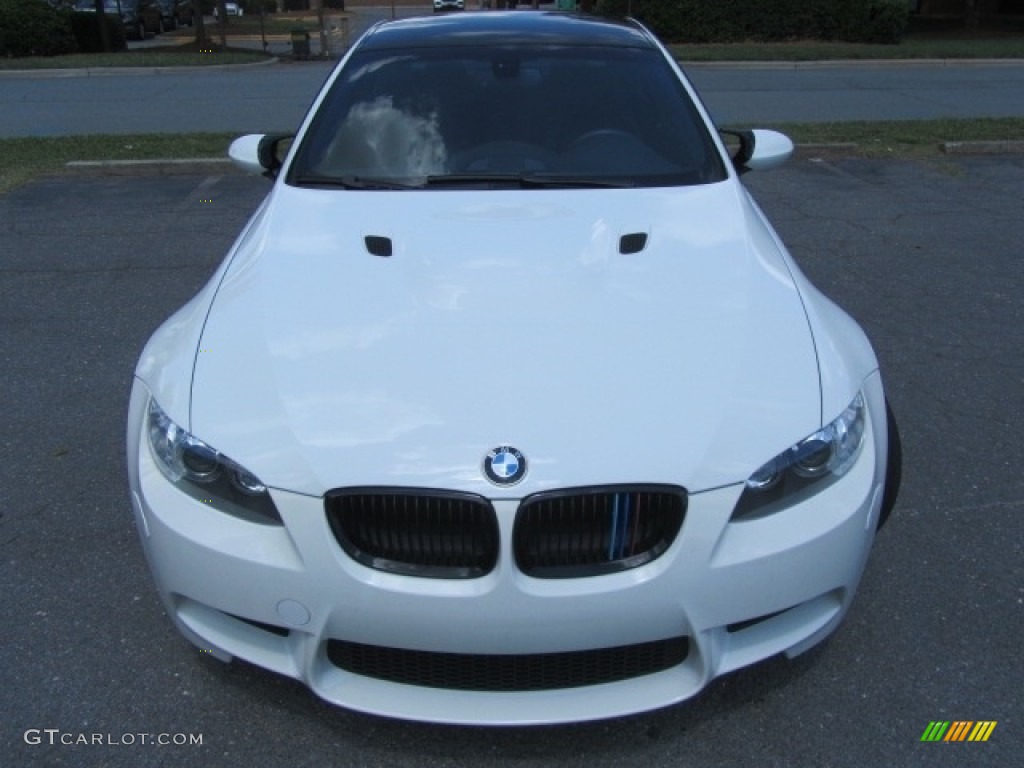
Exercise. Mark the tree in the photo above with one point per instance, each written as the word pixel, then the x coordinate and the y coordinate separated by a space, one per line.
pixel 222 23
pixel 199 9
pixel 101 19
pixel 972 13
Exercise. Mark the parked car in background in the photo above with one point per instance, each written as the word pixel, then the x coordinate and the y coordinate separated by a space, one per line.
pixel 230 9
pixel 449 5
pixel 185 13
pixel 168 17
pixel 177 13
pixel 140 18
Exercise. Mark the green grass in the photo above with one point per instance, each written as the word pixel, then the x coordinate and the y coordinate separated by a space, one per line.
pixel 924 39
pixel 188 55
pixel 24 159
pixel 927 39
pixel 813 50
pixel 903 138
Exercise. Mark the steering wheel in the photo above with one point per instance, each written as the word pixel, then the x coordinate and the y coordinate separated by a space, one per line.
pixel 607 136
pixel 504 157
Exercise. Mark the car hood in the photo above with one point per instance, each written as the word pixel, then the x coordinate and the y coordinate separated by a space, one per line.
pixel 505 318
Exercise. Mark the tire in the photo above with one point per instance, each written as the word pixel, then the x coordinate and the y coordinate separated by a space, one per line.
pixel 893 469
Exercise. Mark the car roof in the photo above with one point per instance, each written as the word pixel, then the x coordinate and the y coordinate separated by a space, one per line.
pixel 508 28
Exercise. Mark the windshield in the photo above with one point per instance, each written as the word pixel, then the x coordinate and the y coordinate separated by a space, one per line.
pixel 445 117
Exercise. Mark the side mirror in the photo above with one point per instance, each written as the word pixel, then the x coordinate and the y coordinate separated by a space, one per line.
pixel 258 153
pixel 759 149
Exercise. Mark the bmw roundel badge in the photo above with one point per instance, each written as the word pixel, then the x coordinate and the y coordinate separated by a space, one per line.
pixel 505 465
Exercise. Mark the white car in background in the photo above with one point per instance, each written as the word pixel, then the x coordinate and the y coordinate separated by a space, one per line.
pixel 508 406
pixel 230 9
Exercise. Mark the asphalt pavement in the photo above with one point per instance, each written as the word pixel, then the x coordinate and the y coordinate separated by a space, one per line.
pixel 925 254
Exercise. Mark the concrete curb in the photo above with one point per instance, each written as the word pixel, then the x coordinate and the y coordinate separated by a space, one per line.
pixel 32 74
pixel 831 64
pixel 158 167
pixel 1010 147
pixel 825 146
pixel 852 63
pixel 1003 147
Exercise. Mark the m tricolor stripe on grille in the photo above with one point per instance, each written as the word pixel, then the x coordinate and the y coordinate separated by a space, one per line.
pixel 580 532
pixel 570 533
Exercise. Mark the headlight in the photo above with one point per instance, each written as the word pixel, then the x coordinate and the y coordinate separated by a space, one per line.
pixel 204 473
pixel 806 467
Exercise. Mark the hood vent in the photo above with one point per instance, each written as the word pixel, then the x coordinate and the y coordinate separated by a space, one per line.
pixel 632 243
pixel 378 246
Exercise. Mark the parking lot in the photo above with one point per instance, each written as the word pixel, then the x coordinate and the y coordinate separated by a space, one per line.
pixel 926 254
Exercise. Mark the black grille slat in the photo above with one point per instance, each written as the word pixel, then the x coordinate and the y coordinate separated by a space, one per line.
pixel 582 532
pixel 416 532
pixel 508 673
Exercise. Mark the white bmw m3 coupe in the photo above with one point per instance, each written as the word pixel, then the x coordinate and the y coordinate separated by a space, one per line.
pixel 508 406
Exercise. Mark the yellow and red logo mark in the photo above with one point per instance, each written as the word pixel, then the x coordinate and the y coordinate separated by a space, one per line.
pixel 958 730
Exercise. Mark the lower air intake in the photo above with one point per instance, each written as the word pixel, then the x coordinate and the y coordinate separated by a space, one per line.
pixel 507 673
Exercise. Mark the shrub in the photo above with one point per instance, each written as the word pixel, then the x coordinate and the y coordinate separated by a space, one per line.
pixel 87 32
pixel 701 21
pixel 887 21
pixel 33 28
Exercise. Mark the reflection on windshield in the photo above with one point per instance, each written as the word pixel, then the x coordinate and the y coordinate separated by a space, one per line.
pixel 377 139
pixel 597 116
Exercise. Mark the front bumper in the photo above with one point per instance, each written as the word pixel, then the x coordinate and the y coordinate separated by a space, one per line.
pixel 740 593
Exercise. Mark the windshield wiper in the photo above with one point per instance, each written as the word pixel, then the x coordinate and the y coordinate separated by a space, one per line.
pixel 467 180
pixel 525 181
pixel 352 182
